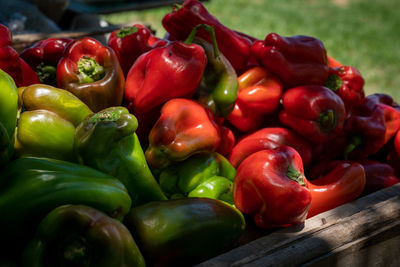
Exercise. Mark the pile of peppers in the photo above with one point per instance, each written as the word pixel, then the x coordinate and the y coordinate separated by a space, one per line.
pixel 159 151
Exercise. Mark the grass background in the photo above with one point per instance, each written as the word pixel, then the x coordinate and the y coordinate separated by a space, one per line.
pixel 364 34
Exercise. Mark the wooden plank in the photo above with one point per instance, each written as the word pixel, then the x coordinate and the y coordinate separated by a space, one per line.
pixel 318 235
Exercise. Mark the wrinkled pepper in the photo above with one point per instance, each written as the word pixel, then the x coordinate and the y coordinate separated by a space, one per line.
pixel 43 57
pixel 107 141
pixel 296 60
pixel 182 19
pixel 32 187
pixel 164 73
pixel 183 129
pixel 271 187
pixel 347 82
pixel 370 125
pixel 270 138
pixel 129 43
pixel 202 175
pixel 12 63
pixel 8 116
pixel 78 235
pixel 334 183
pixel 182 232
pixel 91 71
pixel 46 126
pixel 313 111
pixel 259 95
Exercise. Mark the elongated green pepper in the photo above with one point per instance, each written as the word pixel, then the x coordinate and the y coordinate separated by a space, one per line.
pixel 107 141
pixel 77 235
pixel 8 116
pixel 202 175
pixel 32 187
pixel 46 126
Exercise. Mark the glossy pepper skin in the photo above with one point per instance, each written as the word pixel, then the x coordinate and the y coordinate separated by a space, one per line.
pixel 129 43
pixel 92 72
pixel 163 229
pixel 43 57
pixel 296 60
pixel 46 126
pixel 8 116
pixel 270 185
pixel 202 175
pixel 270 138
pixel 313 111
pixel 183 129
pixel 347 82
pixel 12 63
pixel 335 183
pixel 78 235
pixel 163 73
pixel 32 187
pixel 182 19
pixel 259 95
pixel 107 141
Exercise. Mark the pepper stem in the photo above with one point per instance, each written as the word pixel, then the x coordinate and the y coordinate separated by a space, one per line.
pixel 89 70
pixel 122 33
pixel 47 73
pixel 105 116
pixel 295 175
pixel 327 120
pixel 209 29
pixel 356 141
pixel 75 252
pixel 333 82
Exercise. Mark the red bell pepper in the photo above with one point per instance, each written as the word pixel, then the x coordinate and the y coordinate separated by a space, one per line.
pixel 334 183
pixel 347 82
pixel 370 125
pixel 269 138
pixel 43 57
pixel 164 73
pixel 270 185
pixel 130 42
pixel 297 60
pixel 314 112
pixel 91 71
pixel 227 140
pixel 183 129
pixel 333 63
pixel 179 23
pixel 259 95
pixel 12 64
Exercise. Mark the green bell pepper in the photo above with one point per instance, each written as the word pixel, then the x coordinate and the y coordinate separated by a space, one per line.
pixel 182 232
pixel 46 126
pixel 107 141
pixel 8 116
pixel 78 235
pixel 202 175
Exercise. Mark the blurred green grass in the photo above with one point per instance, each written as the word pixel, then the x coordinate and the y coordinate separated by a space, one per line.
pixel 364 34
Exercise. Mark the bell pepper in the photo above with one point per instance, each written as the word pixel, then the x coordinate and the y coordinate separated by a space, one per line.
pixel 107 141
pixel 12 63
pixel 129 43
pixel 183 129
pixel 370 125
pixel 333 184
pixel 79 235
pixel 91 71
pixel 43 57
pixel 46 126
pixel 32 187
pixel 164 73
pixel 269 138
pixel 227 140
pixel 8 116
pixel 202 175
pixel 219 85
pixel 270 185
pixel 296 60
pixel 183 232
pixel 259 95
pixel 182 19
pixel 333 62
pixel 313 111
pixel 393 155
pixel 347 82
